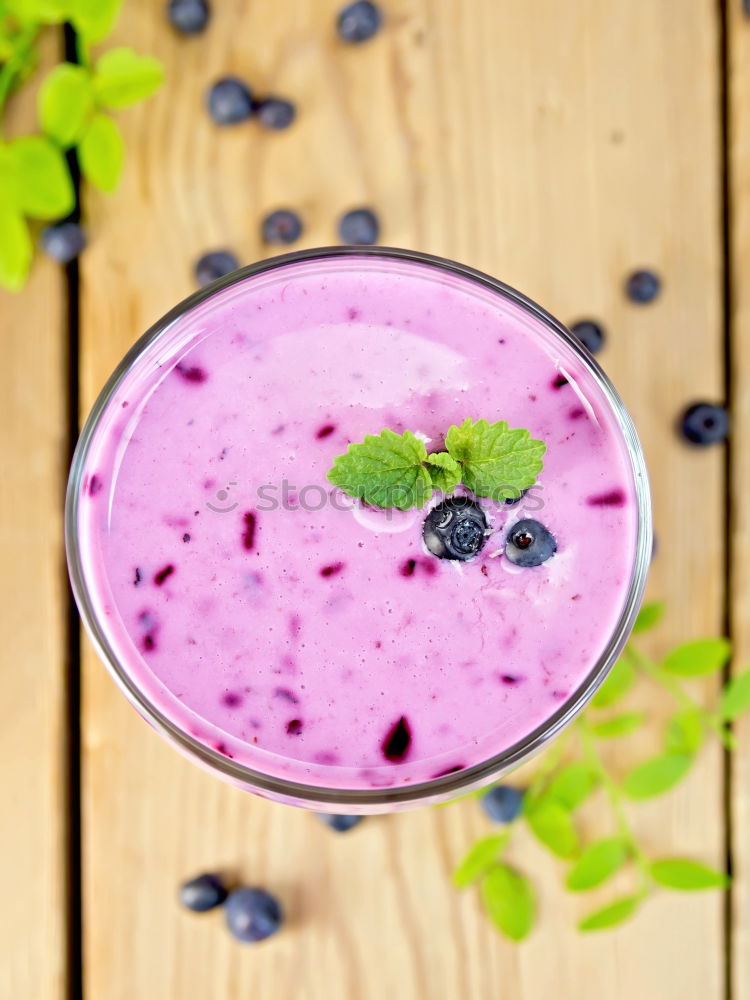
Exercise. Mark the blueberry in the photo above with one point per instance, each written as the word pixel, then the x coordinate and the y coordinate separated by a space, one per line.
pixel 189 17
pixel 360 227
pixel 455 529
pixel 282 226
pixel 339 823
pixel 502 803
pixel 213 265
pixel 511 501
pixel 529 543
pixel 590 333
pixel 643 287
pixel 275 112
pixel 253 914
pixel 229 101
pixel 63 241
pixel 203 893
pixel 705 423
pixel 358 21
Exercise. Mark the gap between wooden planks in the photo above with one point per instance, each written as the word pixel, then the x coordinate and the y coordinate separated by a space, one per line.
pixel 557 147
pixel 33 596
pixel 738 28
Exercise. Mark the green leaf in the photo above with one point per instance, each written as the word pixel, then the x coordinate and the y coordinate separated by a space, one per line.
pixel 694 659
pixel 45 188
pixel 611 915
pixel 94 19
pixel 687 875
pixel 685 732
pixel 445 472
pixel 65 99
pixel 597 863
pixel 617 684
pixel 735 698
pixel 122 77
pixel 657 775
pixel 552 824
pixel 508 898
pixel 649 615
pixel 618 725
pixel 479 859
pixel 16 249
pixel 102 153
pixel 572 785
pixel 497 462
pixel 384 471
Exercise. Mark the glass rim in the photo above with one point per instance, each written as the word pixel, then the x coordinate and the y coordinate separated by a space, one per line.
pixel 434 789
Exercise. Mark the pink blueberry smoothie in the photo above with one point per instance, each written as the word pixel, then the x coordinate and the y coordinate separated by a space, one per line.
pixel 299 632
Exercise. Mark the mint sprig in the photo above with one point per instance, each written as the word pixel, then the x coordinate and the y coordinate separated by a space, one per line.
pixel 563 780
pixel 394 470
pixel 73 107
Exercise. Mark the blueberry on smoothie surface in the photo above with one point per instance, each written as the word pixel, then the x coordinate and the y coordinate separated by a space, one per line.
pixel 253 914
pixel 359 21
pixel 705 423
pixel 455 529
pixel 203 893
pixel 229 101
pixel 529 543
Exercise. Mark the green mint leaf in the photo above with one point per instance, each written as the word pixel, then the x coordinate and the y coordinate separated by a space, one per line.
pixel 102 153
pixel 16 249
pixel 45 190
pixel 611 915
pixel 649 615
pixel 685 732
pixel 65 99
pixel 508 898
pixel 479 859
pixel 687 875
pixel 617 684
pixel 552 824
pixel 657 775
pixel 445 472
pixel 384 471
pixel 122 77
pixel 735 698
pixel 572 785
pixel 497 462
pixel 598 862
pixel 618 725
pixel 94 19
pixel 695 659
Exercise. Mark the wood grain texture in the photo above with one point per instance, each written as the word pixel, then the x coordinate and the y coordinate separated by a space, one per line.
pixel 558 147
pixel 33 737
pixel 739 179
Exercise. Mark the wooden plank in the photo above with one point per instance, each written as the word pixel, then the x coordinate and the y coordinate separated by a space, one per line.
pixel 33 737
pixel 739 179
pixel 551 146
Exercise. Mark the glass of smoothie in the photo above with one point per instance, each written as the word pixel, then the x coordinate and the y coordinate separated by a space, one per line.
pixel 315 648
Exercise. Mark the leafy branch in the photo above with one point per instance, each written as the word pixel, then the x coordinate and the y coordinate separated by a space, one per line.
pixel 74 108
pixel 564 781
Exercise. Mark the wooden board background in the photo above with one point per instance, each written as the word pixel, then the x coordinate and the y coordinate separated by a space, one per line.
pixel 558 147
